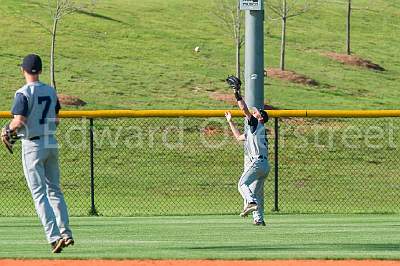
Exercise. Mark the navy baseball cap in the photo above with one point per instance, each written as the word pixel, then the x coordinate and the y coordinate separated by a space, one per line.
pixel 264 115
pixel 32 64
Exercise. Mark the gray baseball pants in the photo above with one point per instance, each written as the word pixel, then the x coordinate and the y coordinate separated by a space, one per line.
pixel 251 185
pixel 42 175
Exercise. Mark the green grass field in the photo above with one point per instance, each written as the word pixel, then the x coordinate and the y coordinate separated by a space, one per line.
pixel 139 54
pixel 212 237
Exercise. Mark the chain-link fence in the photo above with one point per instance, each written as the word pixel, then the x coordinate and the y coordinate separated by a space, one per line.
pixel 339 165
pixel 187 165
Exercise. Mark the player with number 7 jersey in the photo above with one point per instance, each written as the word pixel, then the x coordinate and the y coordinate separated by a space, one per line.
pixel 35 121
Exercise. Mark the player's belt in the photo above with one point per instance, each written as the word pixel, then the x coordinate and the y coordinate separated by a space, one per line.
pixel 35 138
pixel 260 157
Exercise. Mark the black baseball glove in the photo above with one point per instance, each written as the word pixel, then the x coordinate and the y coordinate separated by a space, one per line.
pixel 8 137
pixel 235 84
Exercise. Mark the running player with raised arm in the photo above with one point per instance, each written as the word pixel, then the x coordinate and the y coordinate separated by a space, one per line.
pixel 35 112
pixel 256 169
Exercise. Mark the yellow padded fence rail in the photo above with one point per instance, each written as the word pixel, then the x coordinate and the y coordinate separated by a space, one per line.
pixel 220 113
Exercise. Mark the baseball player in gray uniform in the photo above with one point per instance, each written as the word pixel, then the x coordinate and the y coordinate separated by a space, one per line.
pixel 35 112
pixel 256 168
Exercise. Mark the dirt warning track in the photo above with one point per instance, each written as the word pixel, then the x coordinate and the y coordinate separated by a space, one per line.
pixel 198 263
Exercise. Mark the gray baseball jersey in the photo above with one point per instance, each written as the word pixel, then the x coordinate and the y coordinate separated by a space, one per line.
pixel 42 103
pixel 256 140
pixel 38 103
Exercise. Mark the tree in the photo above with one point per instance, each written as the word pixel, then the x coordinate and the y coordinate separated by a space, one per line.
pixel 231 18
pixel 350 9
pixel 348 25
pixel 286 9
pixel 348 50
pixel 59 9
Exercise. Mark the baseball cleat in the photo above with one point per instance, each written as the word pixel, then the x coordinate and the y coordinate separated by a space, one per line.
pixel 242 214
pixel 57 246
pixel 69 241
pixel 259 223
pixel 251 207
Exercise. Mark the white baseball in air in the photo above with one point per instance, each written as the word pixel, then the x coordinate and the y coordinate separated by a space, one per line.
pixel 197 49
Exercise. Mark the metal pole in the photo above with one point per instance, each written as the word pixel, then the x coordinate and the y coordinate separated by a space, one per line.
pixel 93 210
pixel 254 58
pixel 276 165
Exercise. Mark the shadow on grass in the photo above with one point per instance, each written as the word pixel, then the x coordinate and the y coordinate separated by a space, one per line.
pixel 304 247
pixel 96 15
pixel 20 225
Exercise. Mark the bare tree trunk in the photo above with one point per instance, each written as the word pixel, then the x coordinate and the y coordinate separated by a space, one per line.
pixel 238 60
pixel 238 40
pixel 348 28
pixel 283 36
pixel 283 44
pixel 52 53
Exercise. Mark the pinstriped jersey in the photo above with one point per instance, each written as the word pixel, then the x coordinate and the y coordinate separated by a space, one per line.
pixel 41 112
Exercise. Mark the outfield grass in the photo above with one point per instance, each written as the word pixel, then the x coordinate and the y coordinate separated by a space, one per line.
pixel 139 54
pixel 212 237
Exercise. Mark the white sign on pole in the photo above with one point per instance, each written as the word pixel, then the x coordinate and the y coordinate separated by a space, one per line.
pixel 251 5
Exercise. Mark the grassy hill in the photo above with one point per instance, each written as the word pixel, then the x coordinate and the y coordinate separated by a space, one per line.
pixel 139 54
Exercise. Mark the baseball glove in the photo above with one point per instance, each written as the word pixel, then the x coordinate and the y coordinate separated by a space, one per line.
pixel 235 84
pixel 8 137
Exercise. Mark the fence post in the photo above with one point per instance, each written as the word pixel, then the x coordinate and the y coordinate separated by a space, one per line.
pixel 276 164
pixel 93 210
